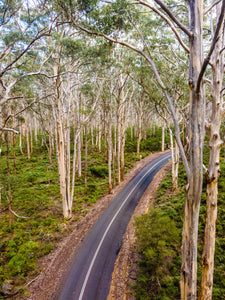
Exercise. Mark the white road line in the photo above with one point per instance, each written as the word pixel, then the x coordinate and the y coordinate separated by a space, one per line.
pixel 107 229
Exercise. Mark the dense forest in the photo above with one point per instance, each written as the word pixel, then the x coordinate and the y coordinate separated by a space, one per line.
pixel 86 89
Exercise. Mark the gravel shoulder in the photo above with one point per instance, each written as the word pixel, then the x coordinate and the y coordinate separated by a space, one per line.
pixel 54 266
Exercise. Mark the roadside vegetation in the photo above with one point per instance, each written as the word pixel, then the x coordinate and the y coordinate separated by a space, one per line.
pixel 159 236
pixel 36 200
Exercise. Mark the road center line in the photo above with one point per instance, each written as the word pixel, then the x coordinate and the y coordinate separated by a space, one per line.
pixel 107 229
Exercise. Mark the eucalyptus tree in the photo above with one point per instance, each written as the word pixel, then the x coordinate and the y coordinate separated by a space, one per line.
pixel 215 143
pixel 23 26
pixel 112 19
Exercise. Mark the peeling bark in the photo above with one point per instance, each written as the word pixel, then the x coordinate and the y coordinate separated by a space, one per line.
pixel 213 172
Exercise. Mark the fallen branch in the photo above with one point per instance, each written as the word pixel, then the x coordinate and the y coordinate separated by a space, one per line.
pixel 10 129
pixel 15 214
pixel 32 280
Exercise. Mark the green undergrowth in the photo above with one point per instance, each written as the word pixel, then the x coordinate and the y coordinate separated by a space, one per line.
pixel 36 200
pixel 159 242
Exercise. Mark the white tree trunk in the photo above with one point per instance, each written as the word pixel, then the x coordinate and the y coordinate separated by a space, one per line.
pixel 213 172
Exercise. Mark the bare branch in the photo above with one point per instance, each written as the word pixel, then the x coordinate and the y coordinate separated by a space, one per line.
pixel 15 214
pixel 7 49
pixel 211 6
pixel 204 167
pixel 10 129
pixel 169 13
pixel 168 22
pixel 4 209
pixel 222 50
pixel 215 39
pixel 37 37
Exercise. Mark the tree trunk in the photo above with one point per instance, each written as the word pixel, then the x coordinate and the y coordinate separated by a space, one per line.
pixel 74 160
pixel 27 135
pixel 99 135
pixel 86 154
pixel 114 156
pixel 21 134
pixel 163 137
pixel 50 147
pixel 109 140
pixel 118 144
pixel 196 136
pixel 61 112
pixel 14 146
pixel 122 171
pixel 35 130
pixel 176 166
pixel 139 133
pixel 213 172
pixel 11 216
pixel 172 153
pixel 92 134
pixel 79 154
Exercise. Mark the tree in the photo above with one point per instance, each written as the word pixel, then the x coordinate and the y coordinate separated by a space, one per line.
pixel 213 171
pixel 196 130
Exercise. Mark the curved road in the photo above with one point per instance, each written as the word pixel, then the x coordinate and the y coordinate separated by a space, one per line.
pixel 90 274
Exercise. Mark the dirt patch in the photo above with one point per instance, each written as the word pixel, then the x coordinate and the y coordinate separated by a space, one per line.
pixel 54 266
pixel 126 266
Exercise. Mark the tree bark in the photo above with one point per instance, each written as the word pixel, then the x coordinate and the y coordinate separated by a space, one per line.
pixel 196 136
pixel 213 172
pixel 118 143
pixel 176 166
pixel 27 135
pixel 21 134
pixel 139 113
pixel 163 137
pixel 109 141
pixel 11 216
pixel 62 118
pixel 122 168
pixel 79 140
pixel 74 159
pixel 86 154
pixel 14 145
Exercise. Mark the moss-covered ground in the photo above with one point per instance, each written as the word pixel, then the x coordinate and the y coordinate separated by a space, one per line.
pixel 159 241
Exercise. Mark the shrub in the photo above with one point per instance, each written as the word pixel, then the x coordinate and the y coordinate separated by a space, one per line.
pixel 100 171
pixel 158 240
pixel 24 261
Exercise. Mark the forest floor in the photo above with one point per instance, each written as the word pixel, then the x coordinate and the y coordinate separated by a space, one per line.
pixel 55 266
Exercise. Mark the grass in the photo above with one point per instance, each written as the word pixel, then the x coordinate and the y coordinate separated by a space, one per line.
pixel 36 196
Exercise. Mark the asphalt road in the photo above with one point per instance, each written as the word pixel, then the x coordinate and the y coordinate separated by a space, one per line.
pixel 90 274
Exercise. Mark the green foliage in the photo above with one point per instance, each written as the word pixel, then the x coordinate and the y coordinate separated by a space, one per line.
pixel 100 171
pixel 154 248
pixel 107 17
pixel 87 5
pixel 36 195
pixel 24 260
pixel 158 242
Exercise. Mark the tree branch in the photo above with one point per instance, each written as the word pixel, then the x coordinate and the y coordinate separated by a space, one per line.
pixel 9 129
pixel 158 79
pixel 215 39
pixel 24 51
pixel 211 6
pixel 169 13
pixel 15 214
pixel 168 22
